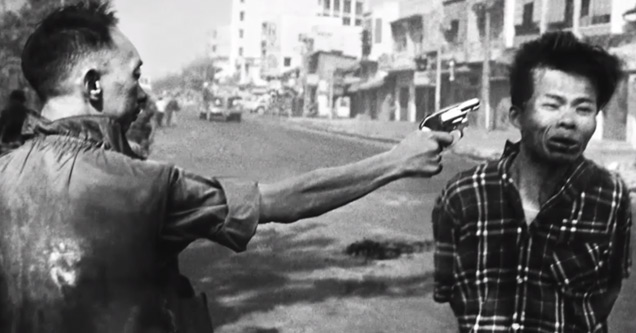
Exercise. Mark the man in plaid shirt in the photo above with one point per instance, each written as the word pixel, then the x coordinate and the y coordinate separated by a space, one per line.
pixel 539 240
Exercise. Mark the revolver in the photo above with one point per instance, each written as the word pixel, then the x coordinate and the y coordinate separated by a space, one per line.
pixel 454 117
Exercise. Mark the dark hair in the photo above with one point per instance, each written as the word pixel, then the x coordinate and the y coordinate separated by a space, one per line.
pixel 563 51
pixel 62 40
pixel 17 96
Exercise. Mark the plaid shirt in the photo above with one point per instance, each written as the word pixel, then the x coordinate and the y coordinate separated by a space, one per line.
pixel 561 273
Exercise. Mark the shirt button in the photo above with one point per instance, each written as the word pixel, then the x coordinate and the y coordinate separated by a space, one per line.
pixel 516 326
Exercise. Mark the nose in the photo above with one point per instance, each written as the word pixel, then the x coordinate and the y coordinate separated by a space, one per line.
pixel 567 119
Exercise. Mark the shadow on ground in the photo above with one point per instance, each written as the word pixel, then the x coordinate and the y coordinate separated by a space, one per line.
pixel 275 271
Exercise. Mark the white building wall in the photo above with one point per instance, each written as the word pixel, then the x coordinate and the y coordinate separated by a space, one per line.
pixel 384 14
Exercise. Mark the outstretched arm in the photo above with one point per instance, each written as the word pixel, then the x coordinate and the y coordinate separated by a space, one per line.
pixel 323 190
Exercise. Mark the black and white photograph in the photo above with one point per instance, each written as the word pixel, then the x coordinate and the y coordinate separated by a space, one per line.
pixel 317 166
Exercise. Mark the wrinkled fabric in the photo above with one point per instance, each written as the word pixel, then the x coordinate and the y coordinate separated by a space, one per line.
pixel 88 235
pixel 559 273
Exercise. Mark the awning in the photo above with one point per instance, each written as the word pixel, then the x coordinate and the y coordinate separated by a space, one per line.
pixel 353 88
pixel 375 82
pixel 349 80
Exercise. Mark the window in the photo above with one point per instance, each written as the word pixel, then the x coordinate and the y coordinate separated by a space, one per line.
pixel 214 34
pixel 347 6
pixel 400 42
pixel 378 31
pixel 358 22
pixel 327 4
pixel 346 21
pixel 287 62
pixel 214 48
pixel 242 16
pixel 585 8
pixel 240 51
pixel 336 5
pixel 240 33
pixel 359 8
pixel 528 12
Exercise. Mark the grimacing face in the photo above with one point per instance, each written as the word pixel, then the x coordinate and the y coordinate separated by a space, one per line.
pixel 122 94
pixel 559 120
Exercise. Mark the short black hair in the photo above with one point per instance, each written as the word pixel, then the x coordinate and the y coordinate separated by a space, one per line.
pixel 63 39
pixel 565 52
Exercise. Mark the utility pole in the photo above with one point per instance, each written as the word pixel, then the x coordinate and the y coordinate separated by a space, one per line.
pixel 484 8
pixel 438 78
pixel 331 93
pixel 543 23
pixel 485 73
pixel 576 19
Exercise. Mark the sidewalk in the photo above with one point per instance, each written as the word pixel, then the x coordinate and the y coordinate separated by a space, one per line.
pixel 476 144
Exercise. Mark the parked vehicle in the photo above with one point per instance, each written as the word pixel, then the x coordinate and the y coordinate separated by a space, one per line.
pixel 256 103
pixel 225 108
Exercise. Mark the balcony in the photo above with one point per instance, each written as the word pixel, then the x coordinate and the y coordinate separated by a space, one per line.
pixel 402 61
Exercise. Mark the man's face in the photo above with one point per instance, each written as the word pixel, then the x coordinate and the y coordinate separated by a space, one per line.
pixel 122 94
pixel 559 119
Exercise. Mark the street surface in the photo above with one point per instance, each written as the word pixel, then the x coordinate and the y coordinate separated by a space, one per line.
pixel 298 278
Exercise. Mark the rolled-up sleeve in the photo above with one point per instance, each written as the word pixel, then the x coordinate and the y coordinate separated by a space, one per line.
pixel 225 211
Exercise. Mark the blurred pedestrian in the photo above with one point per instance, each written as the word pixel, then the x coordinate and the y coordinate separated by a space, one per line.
pixel 142 130
pixel 160 105
pixel 172 107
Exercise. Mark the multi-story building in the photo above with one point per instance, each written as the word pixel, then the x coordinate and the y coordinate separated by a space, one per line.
pixel 285 37
pixel 254 23
pixel 596 17
pixel 220 50
pixel 245 33
pixel 350 11
pixel 378 20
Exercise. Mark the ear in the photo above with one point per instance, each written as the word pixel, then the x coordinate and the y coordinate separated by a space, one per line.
pixel 515 115
pixel 93 89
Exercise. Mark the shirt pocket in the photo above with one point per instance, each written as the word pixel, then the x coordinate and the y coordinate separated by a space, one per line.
pixel 577 267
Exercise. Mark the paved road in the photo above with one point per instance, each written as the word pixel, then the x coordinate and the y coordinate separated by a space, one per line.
pixel 296 278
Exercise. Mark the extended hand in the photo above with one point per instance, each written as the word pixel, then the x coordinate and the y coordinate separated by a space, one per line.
pixel 419 153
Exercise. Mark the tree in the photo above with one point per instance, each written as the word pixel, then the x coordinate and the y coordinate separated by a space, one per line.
pixel 15 28
pixel 192 76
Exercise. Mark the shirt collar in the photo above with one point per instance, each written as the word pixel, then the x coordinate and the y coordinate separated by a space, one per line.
pixel 575 178
pixel 101 131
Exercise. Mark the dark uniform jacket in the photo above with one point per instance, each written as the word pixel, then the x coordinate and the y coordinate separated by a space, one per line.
pixel 89 236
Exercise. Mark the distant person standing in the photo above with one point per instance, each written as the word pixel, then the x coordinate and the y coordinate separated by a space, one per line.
pixel 161 109
pixel 172 107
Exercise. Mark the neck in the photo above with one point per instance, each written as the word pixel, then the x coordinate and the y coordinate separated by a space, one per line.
pixel 64 107
pixel 535 178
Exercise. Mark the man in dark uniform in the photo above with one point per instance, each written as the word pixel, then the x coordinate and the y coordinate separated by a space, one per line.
pixel 90 235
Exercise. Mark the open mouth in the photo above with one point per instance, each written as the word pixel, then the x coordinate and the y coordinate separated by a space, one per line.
pixel 563 144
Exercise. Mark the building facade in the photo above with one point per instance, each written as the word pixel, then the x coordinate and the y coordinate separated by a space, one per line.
pixel 349 11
